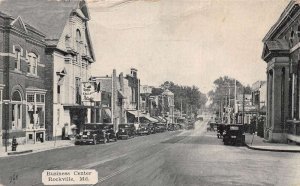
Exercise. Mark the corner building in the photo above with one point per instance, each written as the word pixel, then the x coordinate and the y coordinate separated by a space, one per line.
pixel 282 54
pixel 68 58
pixel 22 85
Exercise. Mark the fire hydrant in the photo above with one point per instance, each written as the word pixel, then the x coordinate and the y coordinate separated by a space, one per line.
pixel 14 144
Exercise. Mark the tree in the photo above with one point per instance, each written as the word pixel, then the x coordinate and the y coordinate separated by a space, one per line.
pixel 191 98
pixel 223 93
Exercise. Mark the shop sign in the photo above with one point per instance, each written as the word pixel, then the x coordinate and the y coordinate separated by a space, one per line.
pixel 89 92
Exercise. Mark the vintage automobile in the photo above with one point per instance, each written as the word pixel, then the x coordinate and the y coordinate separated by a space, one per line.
pixel 160 127
pixel 220 129
pixel 234 135
pixel 92 133
pixel 143 130
pixel 191 126
pixel 126 131
pixel 151 128
pixel 111 134
pixel 173 127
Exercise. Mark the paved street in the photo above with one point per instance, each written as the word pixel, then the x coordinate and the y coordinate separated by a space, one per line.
pixel 192 157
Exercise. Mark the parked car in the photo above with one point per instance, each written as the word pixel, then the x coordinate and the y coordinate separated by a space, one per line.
pixel 160 127
pixel 191 125
pixel 234 134
pixel 126 131
pixel 111 134
pixel 151 127
pixel 143 130
pixel 173 127
pixel 91 134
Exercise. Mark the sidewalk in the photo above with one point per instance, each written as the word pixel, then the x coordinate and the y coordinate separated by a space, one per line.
pixel 32 148
pixel 258 143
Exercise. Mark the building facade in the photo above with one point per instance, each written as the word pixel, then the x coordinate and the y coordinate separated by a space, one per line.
pixel 68 59
pixel 22 81
pixel 281 53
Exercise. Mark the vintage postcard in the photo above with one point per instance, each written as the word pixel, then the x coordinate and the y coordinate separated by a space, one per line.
pixel 149 92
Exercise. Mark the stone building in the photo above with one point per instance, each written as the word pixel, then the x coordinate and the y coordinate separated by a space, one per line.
pixel 22 85
pixel 281 53
pixel 68 58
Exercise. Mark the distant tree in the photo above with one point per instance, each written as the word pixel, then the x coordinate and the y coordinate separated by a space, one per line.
pixel 191 98
pixel 223 92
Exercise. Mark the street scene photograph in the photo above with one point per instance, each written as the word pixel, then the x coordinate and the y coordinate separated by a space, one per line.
pixel 150 92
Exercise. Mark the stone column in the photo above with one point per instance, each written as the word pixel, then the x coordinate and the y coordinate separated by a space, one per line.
pixel 269 104
pixel 278 92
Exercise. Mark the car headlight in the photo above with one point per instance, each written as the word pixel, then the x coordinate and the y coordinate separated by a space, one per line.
pixel 88 133
pixel 80 133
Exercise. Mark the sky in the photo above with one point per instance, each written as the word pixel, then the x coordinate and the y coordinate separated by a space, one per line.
pixel 189 42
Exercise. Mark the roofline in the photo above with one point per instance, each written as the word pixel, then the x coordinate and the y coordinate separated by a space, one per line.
pixel 280 20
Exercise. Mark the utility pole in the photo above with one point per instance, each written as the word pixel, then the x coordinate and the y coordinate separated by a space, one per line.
pixel 243 116
pixel 138 107
pixel 235 105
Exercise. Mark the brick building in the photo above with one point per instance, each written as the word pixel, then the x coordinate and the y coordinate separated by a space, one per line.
pixel 22 85
pixel 281 53
pixel 68 58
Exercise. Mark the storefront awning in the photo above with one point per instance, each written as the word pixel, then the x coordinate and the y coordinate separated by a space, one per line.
pixel 149 118
pixel 141 115
pixel 79 106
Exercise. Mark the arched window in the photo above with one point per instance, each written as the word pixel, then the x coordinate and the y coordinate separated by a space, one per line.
pixel 78 40
pixel 32 63
pixel 16 96
pixel 16 110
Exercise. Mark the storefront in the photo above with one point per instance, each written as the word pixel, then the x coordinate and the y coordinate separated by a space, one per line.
pixel 35 115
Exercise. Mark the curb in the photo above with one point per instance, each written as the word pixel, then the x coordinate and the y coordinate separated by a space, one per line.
pixel 271 150
pixel 19 152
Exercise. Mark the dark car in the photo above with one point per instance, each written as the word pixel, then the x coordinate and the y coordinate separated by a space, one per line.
pixel 173 127
pixel 191 125
pixel 160 127
pixel 151 128
pixel 91 134
pixel 220 130
pixel 111 134
pixel 126 131
pixel 234 134
pixel 143 130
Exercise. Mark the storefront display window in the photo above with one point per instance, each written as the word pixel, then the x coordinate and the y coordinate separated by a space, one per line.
pixel 36 110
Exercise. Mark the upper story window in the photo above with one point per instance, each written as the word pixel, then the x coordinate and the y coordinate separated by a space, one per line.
pixel 78 40
pixel 18 59
pixel 32 63
pixel 292 38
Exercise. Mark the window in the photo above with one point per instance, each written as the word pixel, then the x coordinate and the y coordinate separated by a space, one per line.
pixel 78 40
pixel 30 98
pixel 292 38
pixel 77 93
pixel 32 64
pixel 58 93
pixel 16 110
pixel 18 59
